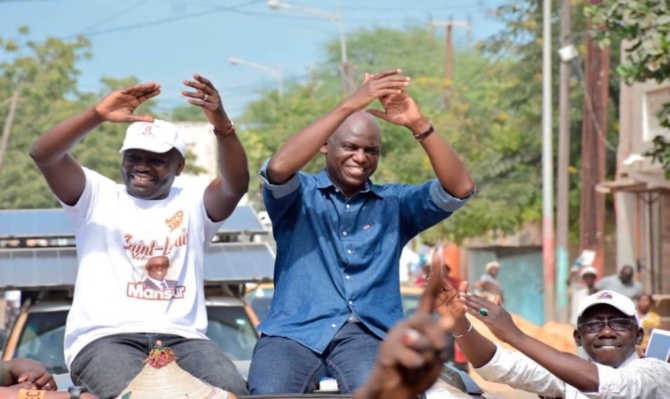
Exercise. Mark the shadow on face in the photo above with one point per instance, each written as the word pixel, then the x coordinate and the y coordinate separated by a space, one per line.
pixel 149 175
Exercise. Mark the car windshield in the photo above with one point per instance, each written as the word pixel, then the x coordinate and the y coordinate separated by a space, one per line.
pixel 231 328
pixel 43 335
pixel 261 306
pixel 42 340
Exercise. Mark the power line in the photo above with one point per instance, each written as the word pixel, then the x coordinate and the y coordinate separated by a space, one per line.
pixel 234 8
pixel 114 16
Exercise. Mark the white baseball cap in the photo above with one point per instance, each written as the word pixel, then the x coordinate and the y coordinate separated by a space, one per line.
pixel 157 136
pixel 588 270
pixel 492 265
pixel 611 298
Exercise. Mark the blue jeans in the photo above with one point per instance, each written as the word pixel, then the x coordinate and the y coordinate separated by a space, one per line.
pixel 107 365
pixel 283 366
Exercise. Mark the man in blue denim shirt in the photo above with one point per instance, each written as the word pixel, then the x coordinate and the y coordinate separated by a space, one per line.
pixel 339 239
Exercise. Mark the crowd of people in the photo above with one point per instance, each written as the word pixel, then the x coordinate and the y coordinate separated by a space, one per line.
pixel 336 309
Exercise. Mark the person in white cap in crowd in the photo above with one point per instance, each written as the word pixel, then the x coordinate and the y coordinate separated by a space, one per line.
pixel 582 284
pixel 607 329
pixel 488 285
pixel 111 327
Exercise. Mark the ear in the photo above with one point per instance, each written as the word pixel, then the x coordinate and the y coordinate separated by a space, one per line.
pixel 180 166
pixel 577 336
pixel 324 148
pixel 640 335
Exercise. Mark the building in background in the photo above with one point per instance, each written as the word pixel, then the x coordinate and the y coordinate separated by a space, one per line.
pixel 200 141
pixel 641 191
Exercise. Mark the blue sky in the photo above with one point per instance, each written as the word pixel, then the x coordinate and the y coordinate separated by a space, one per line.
pixel 168 40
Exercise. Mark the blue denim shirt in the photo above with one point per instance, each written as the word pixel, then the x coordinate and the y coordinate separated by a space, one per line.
pixel 337 256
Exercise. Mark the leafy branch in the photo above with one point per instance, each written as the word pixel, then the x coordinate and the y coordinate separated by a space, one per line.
pixel 645 27
pixel 660 152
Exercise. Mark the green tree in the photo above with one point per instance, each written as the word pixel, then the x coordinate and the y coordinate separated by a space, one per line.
pixel 44 74
pixel 45 77
pixel 491 132
pixel 645 28
pixel 519 47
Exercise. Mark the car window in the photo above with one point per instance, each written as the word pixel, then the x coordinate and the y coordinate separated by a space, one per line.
pixel 261 306
pixel 409 303
pixel 231 328
pixel 42 340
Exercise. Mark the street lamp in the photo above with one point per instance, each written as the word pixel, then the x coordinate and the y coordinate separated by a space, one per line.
pixel 336 18
pixel 272 71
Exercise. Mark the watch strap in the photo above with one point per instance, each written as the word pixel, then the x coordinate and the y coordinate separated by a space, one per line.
pixel 422 136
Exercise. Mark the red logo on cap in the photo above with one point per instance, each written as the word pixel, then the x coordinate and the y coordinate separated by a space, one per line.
pixel 604 295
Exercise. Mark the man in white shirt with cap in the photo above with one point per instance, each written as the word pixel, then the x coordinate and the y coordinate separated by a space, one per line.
pixel 607 329
pixel 113 325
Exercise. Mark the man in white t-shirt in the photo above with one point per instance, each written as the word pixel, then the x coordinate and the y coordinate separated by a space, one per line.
pixel 112 327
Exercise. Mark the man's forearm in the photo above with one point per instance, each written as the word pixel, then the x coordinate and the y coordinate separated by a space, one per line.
pixel 449 169
pixel 233 165
pixel 477 349
pixel 57 141
pixel 302 146
pixel 581 374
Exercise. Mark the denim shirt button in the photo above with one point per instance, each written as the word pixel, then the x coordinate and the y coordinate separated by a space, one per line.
pixel 344 233
pixel 333 325
pixel 348 206
pixel 348 251
pixel 351 302
pixel 347 277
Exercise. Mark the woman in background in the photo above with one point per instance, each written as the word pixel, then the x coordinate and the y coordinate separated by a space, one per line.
pixel 648 319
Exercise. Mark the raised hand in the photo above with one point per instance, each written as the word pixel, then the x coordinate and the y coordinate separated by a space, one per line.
pixel 376 86
pixel 400 109
pixel 411 357
pixel 207 97
pixel 120 105
pixel 496 318
pixel 447 304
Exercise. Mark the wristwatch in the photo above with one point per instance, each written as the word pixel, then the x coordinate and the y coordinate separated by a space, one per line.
pixel 76 391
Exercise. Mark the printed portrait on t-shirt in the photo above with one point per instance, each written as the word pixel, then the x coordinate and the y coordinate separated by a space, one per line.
pixel 154 278
pixel 157 272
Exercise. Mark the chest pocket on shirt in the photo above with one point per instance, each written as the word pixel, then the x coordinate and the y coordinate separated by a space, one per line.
pixel 372 235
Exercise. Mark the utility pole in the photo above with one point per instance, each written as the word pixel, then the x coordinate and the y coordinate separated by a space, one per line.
pixel 6 130
pixel 548 255
pixel 594 123
pixel 563 188
pixel 449 45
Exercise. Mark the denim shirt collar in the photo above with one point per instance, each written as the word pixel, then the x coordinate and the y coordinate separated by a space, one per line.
pixel 324 182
